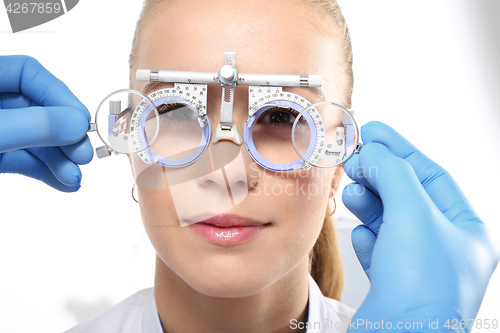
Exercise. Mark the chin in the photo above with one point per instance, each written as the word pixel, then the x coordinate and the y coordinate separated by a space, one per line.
pixel 224 290
pixel 229 277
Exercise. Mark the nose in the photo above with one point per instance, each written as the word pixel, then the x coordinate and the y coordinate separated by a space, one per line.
pixel 228 174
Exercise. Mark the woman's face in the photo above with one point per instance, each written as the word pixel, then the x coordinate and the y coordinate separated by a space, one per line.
pixel 285 211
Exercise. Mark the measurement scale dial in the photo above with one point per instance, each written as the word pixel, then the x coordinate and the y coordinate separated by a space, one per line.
pixel 184 128
pixel 269 126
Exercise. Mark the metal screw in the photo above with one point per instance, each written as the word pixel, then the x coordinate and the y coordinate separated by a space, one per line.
pixel 340 141
pixel 115 131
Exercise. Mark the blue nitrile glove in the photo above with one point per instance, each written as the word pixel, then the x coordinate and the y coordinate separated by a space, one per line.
pixel 427 254
pixel 43 126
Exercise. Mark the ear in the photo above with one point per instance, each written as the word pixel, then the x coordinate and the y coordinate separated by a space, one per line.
pixel 336 179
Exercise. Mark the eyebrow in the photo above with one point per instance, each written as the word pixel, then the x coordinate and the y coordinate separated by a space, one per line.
pixel 154 85
pixel 318 92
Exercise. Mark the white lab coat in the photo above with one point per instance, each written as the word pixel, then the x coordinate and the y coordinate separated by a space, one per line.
pixel 138 314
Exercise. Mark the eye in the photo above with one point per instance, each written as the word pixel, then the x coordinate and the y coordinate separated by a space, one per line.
pixel 176 113
pixel 279 117
pixel 181 110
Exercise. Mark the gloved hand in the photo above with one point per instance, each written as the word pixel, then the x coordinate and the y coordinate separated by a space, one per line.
pixel 43 126
pixel 427 254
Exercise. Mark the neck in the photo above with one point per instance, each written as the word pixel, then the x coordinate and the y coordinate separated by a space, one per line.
pixel 183 309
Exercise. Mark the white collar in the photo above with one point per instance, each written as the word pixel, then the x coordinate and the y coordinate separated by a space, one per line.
pixel 150 318
pixel 326 314
pixel 318 312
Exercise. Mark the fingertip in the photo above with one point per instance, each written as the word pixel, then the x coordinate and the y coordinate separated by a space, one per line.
pixel 370 129
pixel 358 228
pixel 373 123
pixel 69 175
pixel 87 153
pixel 65 188
pixel 362 237
pixel 65 125
pixel 380 162
pixel 363 242
pixel 69 187
pixel 350 197
pixel 80 153
pixel 378 132
pixel 25 163
pixel 362 202
pixel 77 125
pixel 82 109
pixel 372 153
pixel 77 179
pixel 351 166
pixel 350 191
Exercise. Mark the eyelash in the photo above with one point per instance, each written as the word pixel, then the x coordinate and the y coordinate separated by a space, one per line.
pixel 292 112
pixel 165 108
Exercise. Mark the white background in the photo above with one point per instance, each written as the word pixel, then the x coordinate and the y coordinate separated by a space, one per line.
pixel 428 68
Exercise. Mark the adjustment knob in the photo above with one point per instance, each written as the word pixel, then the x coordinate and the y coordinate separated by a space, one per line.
pixel 228 74
pixel 103 151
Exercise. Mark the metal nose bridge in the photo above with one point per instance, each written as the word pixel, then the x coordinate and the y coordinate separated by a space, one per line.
pixel 228 78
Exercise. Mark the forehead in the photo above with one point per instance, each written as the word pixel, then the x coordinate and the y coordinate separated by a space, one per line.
pixel 273 37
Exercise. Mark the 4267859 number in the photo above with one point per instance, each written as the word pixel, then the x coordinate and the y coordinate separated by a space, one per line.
pixel 34 7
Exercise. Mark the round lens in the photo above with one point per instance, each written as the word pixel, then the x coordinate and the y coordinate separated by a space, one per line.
pixel 119 118
pixel 183 135
pixel 335 136
pixel 269 132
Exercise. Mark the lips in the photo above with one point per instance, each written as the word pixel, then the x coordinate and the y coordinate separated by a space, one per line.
pixel 228 229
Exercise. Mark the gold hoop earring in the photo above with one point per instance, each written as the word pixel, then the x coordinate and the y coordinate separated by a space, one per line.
pixel 333 209
pixel 133 197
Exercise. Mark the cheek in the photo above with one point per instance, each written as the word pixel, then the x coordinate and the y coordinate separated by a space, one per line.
pixel 155 198
pixel 302 192
pixel 157 208
pixel 159 217
pixel 298 201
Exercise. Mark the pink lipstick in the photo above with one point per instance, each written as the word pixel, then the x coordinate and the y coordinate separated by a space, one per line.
pixel 228 229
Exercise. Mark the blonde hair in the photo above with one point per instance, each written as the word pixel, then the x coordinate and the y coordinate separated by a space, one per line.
pixel 325 258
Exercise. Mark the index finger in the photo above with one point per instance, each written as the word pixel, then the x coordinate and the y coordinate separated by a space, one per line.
pixel 23 74
pixel 437 182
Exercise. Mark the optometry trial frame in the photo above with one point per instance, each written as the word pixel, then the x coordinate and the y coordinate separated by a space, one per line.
pixel 283 131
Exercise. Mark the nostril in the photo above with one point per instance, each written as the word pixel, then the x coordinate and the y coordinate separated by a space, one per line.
pixel 241 183
pixel 208 183
pixel 253 183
